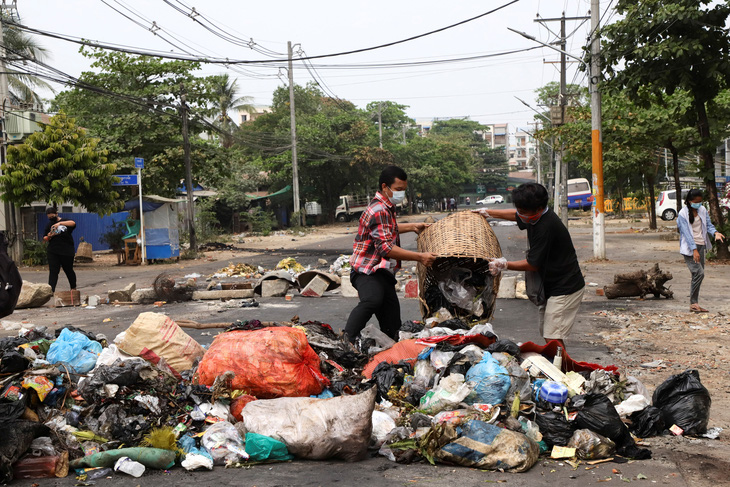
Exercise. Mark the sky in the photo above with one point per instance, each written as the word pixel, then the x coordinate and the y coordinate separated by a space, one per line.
pixel 482 89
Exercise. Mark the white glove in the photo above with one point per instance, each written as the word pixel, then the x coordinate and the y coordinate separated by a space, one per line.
pixel 496 266
pixel 482 211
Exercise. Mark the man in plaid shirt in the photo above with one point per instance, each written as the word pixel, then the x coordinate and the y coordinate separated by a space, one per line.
pixel 377 254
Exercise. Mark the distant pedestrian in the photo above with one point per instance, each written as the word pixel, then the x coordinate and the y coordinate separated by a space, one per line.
pixel 60 248
pixel 444 205
pixel 695 229
pixel 452 204
pixel 456 203
pixel 468 201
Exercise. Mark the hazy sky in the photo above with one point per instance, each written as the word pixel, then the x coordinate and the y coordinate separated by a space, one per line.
pixel 482 89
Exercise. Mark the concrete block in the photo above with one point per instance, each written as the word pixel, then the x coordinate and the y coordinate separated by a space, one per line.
pixel 223 294
pixel 316 287
pixel 144 295
pixel 93 300
pixel 507 287
pixel 122 295
pixel 33 295
pixel 274 287
pixel 412 288
pixel 347 289
pixel 520 291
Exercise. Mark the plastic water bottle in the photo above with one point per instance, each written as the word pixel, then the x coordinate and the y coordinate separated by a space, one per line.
pixel 129 466
pixel 558 359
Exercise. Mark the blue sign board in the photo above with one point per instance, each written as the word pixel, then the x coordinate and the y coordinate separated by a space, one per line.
pixel 139 163
pixel 126 180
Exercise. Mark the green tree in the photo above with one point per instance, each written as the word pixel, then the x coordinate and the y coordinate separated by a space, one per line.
pixel 131 103
pixel 669 45
pixel 22 85
pixel 225 100
pixel 57 165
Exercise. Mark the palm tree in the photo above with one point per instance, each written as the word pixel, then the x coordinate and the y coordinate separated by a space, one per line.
pixel 21 84
pixel 226 100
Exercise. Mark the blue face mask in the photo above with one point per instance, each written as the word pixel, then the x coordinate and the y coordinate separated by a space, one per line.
pixel 696 206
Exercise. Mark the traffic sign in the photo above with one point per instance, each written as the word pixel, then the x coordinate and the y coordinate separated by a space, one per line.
pixel 139 163
pixel 126 180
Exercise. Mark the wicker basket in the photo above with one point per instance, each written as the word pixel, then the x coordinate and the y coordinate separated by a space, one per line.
pixel 84 252
pixel 463 240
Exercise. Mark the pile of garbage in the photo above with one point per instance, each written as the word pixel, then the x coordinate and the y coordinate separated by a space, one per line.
pixel 71 402
pixel 239 269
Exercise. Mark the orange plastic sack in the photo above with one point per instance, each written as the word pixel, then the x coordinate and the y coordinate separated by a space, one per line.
pixel 238 404
pixel 267 363
pixel 403 350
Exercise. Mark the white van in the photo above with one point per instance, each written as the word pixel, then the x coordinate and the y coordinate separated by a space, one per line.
pixel 666 204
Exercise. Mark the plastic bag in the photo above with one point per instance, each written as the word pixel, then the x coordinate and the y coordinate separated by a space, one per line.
pixel 634 403
pixel 440 359
pixel 423 373
pixel 261 448
pixel 449 392
pixel 484 445
pixel 387 375
pixel 74 350
pixel 505 346
pixel 238 404
pixel 591 446
pixel 381 339
pixel 555 429
pixel 194 457
pixel 648 422
pixel 455 291
pixel 267 363
pixel 382 425
pixel 491 381
pixel 224 443
pixel 599 415
pixel 519 381
pixel 398 434
pixel 315 429
pixel 684 401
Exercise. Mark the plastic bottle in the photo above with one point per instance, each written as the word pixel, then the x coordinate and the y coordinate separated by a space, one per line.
pixel 35 467
pixel 558 359
pixel 129 466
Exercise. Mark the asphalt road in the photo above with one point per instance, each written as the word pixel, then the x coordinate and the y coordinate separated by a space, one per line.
pixel 514 319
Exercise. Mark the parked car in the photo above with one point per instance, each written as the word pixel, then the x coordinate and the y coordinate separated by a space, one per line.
pixel 490 200
pixel 666 204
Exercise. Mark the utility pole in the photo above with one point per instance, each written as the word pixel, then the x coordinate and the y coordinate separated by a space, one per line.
pixel 538 144
pixel 294 163
pixel 380 124
pixel 599 210
pixel 188 171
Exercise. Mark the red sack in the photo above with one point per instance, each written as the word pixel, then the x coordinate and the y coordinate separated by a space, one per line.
pixel 550 349
pixel 238 404
pixel 267 363
pixel 404 350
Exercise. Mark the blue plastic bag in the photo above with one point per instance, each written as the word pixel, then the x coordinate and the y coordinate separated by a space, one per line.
pixel 491 381
pixel 325 394
pixel 74 350
pixel 194 457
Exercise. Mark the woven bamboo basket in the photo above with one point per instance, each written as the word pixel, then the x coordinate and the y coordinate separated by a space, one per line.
pixel 461 240
pixel 84 252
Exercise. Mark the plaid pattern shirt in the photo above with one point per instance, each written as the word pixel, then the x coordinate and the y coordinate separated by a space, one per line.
pixel 376 236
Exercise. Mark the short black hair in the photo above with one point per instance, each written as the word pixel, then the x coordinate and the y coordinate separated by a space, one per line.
pixel 530 196
pixel 51 209
pixel 390 174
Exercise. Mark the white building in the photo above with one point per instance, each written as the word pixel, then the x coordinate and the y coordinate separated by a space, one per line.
pixel 245 115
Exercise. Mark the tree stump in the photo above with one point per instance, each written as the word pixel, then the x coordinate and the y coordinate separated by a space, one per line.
pixel 639 283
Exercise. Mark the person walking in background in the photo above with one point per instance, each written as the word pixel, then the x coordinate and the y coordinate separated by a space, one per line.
pixel 695 229
pixel 452 204
pixel 60 248
pixel 467 201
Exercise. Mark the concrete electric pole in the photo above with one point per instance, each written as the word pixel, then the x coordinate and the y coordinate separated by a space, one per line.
pixel 188 172
pixel 598 209
pixel 294 163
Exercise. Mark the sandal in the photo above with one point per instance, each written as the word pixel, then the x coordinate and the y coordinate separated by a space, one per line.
pixel 698 309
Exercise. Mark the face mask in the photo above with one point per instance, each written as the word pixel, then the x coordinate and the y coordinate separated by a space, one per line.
pixel 696 206
pixel 533 219
pixel 398 197
pixel 52 219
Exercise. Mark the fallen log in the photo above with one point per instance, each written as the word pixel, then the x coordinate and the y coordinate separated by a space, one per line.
pixel 640 283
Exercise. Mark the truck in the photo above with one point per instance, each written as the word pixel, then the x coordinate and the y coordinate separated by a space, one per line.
pixel 351 207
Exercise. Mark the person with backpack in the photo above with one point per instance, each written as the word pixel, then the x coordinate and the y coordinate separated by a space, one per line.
pixel 61 250
pixel 695 229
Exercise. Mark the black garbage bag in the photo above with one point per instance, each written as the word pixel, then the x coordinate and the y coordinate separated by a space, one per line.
pixel 411 327
pixel 121 373
pixel 647 422
pixel 505 346
pixel 435 300
pixel 387 375
pixel 599 415
pixel 454 324
pixel 10 343
pixel 12 409
pixel 684 401
pixel 555 429
pixel 16 438
pixel 12 362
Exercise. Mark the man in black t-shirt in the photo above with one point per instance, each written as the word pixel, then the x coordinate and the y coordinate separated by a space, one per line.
pixel 60 248
pixel 551 254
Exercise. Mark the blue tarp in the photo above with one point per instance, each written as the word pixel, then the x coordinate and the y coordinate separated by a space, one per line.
pixel 146 205
pixel 90 226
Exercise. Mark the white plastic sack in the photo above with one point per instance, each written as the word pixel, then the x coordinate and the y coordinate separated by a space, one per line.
pixel 382 425
pixel 224 443
pixel 316 429
pixel 450 391
pixel 635 403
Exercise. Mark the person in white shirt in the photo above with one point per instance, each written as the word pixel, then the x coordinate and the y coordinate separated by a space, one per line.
pixel 695 229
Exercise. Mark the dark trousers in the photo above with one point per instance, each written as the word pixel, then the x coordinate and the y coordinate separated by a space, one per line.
pixel 377 297
pixel 55 264
pixel 697 269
